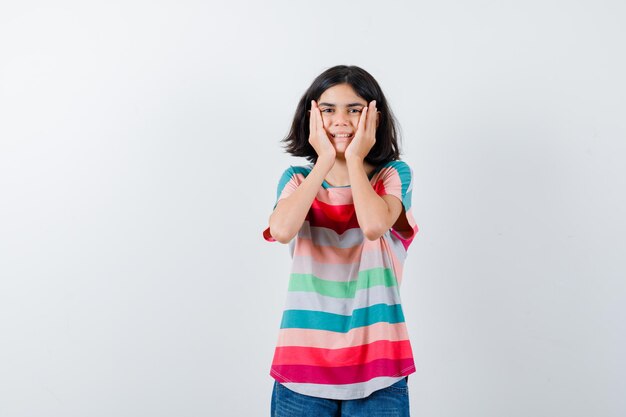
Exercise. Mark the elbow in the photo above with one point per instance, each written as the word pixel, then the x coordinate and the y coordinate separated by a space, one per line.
pixel 281 235
pixel 280 232
pixel 283 239
pixel 373 233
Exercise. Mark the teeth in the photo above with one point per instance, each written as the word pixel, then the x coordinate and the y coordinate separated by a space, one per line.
pixel 342 135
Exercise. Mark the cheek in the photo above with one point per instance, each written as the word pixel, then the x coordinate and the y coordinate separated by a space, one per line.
pixel 354 121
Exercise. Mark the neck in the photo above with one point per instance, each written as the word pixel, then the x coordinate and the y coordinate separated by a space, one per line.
pixel 338 174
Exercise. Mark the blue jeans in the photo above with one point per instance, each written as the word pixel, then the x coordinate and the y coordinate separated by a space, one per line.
pixel 392 401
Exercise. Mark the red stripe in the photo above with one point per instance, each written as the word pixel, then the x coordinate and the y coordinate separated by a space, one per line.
pixel 338 212
pixel 339 217
pixel 354 355
pixel 379 187
pixel 343 212
pixel 343 374
pixel 318 217
pixel 267 235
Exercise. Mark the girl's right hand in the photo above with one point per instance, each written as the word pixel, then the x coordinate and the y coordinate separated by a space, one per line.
pixel 318 138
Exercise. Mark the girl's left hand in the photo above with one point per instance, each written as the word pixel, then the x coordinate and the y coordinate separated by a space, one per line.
pixel 365 136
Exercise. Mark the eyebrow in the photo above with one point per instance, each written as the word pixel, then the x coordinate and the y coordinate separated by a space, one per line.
pixel 348 105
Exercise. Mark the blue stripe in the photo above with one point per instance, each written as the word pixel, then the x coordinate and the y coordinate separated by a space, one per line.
pixel 401 167
pixel 404 172
pixel 407 200
pixel 319 320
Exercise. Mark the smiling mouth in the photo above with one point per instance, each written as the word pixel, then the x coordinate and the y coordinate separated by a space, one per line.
pixel 341 135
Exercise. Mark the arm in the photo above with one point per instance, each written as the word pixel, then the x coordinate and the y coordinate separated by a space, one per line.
pixel 375 214
pixel 290 212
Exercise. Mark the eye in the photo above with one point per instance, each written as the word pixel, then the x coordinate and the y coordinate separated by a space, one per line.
pixel 355 110
pixel 328 110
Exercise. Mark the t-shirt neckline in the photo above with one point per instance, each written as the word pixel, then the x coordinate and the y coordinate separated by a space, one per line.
pixel 369 177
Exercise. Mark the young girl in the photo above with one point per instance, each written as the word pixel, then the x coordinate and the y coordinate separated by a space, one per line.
pixel 343 347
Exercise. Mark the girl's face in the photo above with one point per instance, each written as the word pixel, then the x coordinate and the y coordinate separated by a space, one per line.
pixel 341 109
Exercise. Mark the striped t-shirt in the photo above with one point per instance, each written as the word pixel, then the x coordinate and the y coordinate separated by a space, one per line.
pixel 343 334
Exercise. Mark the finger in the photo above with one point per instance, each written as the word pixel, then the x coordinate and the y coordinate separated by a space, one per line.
pixel 362 121
pixel 371 120
pixel 313 118
pixel 365 115
pixel 320 121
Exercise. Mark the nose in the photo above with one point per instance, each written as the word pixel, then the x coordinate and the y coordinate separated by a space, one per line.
pixel 340 119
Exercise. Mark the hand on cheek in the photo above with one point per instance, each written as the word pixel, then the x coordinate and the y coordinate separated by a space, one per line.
pixel 365 137
pixel 318 137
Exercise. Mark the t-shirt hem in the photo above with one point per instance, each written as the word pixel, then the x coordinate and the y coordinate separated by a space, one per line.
pixel 335 393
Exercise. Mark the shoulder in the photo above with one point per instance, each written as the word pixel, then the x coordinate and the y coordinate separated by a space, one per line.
pixel 294 173
pixel 298 169
pixel 295 170
pixel 397 168
pixel 398 165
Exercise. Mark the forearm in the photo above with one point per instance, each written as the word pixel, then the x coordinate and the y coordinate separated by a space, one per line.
pixel 372 212
pixel 286 220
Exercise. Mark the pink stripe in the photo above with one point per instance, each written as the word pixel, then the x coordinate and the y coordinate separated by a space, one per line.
pixel 291 186
pixel 335 196
pixel 405 238
pixel 342 374
pixel 397 265
pixel 356 355
pixel 327 254
pixel 334 255
pixel 393 184
pixel 334 340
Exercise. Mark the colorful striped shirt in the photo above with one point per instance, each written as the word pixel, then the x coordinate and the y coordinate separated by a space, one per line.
pixel 343 334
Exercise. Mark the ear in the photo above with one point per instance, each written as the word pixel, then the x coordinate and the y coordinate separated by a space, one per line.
pixel 378 115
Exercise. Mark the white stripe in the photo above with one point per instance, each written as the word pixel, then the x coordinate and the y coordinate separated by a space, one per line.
pixel 323 236
pixel 341 272
pixel 301 300
pixel 344 391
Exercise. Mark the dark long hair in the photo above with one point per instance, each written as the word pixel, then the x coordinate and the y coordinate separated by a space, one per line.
pixel 387 133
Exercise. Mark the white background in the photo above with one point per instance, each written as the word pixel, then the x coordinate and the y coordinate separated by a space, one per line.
pixel 139 157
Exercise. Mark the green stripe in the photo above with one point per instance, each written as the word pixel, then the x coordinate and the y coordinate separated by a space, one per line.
pixel 361 317
pixel 366 279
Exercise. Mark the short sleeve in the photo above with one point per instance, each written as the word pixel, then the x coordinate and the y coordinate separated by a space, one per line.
pixel 396 178
pixel 289 181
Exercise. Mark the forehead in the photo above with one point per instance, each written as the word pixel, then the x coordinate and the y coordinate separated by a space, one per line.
pixel 341 94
